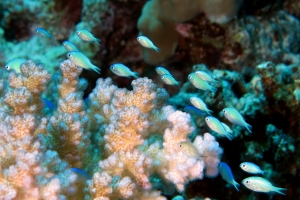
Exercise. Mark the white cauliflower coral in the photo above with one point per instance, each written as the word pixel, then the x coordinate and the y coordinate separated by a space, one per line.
pixel 131 134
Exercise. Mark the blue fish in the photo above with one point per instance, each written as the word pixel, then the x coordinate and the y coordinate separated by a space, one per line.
pixel 87 101
pixel 43 33
pixel 194 111
pixel 49 104
pixel 227 175
pixel 81 173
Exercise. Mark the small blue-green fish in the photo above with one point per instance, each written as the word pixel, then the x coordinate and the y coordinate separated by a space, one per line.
pixel 87 101
pixel 169 80
pixel 194 111
pixel 227 175
pixel 205 76
pixel 69 46
pixel 81 60
pixel 189 149
pixel 81 172
pixel 200 84
pixel 85 35
pixel 162 71
pixel 251 168
pixel 43 33
pixel 227 128
pixel 146 42
pixel 215 125
pixel 259 184
pixel 199 103
pixel 178 197
pixel 236 118
pixel 121 70
pixel 48 103
pixel 15 64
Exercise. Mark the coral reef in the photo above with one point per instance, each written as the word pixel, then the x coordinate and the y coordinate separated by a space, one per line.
pixel 114 127
pixel 65 133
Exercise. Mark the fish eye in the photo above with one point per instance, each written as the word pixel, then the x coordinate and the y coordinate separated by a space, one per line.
pixel 112 67
pixel 244 165
pixel 162 77
pixel 189 76
pixel 78 32
pixel 180 145
pixel 247 182
pixel 206 119
pixel 7 67
pixel 69 54
pixel 224 111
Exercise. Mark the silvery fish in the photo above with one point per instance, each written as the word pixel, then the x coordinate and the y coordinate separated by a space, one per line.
pixel 69 46
pixel 251 168
pixel 162 71
pixel 43 33
pixel 236 118
pixel 15 64
pixel 205 76
pixel 189 149
pixel 215 125
pixel 81 60
pixel 227 175
pixel 85 35
pixel 169 80
pixel 259 184
pixel 121 70
pixel 199 103
pixel 146 42
pixel 200 84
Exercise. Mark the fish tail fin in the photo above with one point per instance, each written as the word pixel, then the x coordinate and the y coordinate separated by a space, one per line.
pixel 96 69
pixel 157 49
pixel 279 190
pixel 248 127
pixel 97 40
pixel 229 136
pixel 209 112
pixel 235 184
pixel 135 74
pixel 213 89
pixel 216 82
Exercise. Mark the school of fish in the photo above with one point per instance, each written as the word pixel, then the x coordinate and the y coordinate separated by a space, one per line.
pixel 199 79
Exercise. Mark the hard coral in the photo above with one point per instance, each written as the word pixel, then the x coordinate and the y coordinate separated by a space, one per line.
pixel 132 135
pixel 28 169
